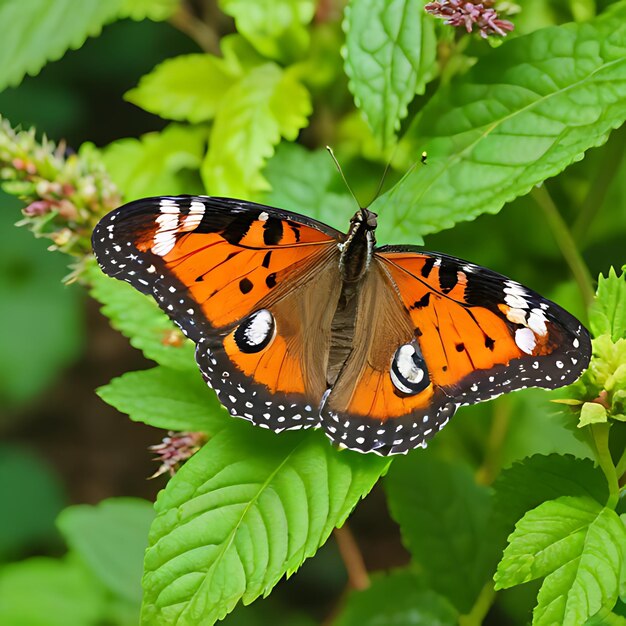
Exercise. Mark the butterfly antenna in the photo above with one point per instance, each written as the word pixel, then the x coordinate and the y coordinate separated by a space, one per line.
pixel 334 158
pixel 382 180
pixel 384 176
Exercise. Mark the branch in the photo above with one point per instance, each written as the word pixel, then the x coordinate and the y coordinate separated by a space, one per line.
pixel 203 34
pixel 353 559
pixel 492 460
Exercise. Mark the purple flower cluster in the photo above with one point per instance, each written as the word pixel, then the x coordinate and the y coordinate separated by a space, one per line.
pixel 462 13
pixel 175 449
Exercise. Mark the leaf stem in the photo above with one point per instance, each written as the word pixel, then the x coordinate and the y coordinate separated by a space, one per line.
pixel 566 243
pixel 203 34
pixel 353 559
pixel 600 435
pixel 481 607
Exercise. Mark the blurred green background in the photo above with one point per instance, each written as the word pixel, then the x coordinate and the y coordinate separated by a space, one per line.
pixel 62 445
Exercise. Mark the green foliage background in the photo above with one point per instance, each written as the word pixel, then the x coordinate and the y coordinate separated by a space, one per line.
pixel 514 514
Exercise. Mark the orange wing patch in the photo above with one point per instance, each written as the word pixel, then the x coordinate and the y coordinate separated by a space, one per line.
pixel 477 327
pixel 229 280
pixel 375 396
pixel 456 338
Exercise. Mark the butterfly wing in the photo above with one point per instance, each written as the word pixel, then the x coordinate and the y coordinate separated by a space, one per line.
pixel 244 282
pixel 472 335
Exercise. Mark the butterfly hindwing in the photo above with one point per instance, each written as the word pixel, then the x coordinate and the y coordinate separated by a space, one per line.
pixel 239 279
pixel 366 410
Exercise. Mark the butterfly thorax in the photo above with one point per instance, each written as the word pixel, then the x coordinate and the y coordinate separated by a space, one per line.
pixel 354 261
pixel 357 249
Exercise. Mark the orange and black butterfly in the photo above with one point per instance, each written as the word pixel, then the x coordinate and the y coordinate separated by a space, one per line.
pixel 298 325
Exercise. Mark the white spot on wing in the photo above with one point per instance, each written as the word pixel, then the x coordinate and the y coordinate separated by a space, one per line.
pixel 537 322
pixel 167 225
pixel 194 217
pixel 259 327
pixel 517 316
pixel 525 340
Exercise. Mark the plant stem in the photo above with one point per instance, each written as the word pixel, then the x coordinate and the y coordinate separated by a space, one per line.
pixel 500 421
pixel 566 243
pixel 620 468
pixel 353 559
pixel 600 434
pixel 481 607
pixel 199 31
pixel 610 164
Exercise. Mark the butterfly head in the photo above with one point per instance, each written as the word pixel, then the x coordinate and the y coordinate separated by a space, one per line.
pixel 358 247
pixel 368 219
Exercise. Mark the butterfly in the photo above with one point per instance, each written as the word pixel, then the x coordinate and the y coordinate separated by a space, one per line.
pixel 298 325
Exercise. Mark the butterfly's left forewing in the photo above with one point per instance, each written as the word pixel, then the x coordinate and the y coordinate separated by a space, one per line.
pixel 240 280
pixel 476 325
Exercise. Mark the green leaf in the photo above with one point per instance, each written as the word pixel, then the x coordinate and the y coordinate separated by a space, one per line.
pixel 390 55
pixel 166 398
pixel 539 478
pixel 397 598
pixel 276 28
pixel 190 87
pixel 608 312
pixel 239 54
pixel 37 31
pixel 443 516
pixel 534 480
pixel 266 104
pixel 622 583
pixel 155 164
pixel 592 413
pixel 32 495
pixel 523 113
pixel 605 377
pixel 140 319
pixel 301 181
pixel 111 539
pixel 50 592
pixel 579 547
pixel 247 509
pixel 155 10
pixel 606 618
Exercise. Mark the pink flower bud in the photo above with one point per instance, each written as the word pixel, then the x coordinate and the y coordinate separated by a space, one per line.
pixel 39 207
